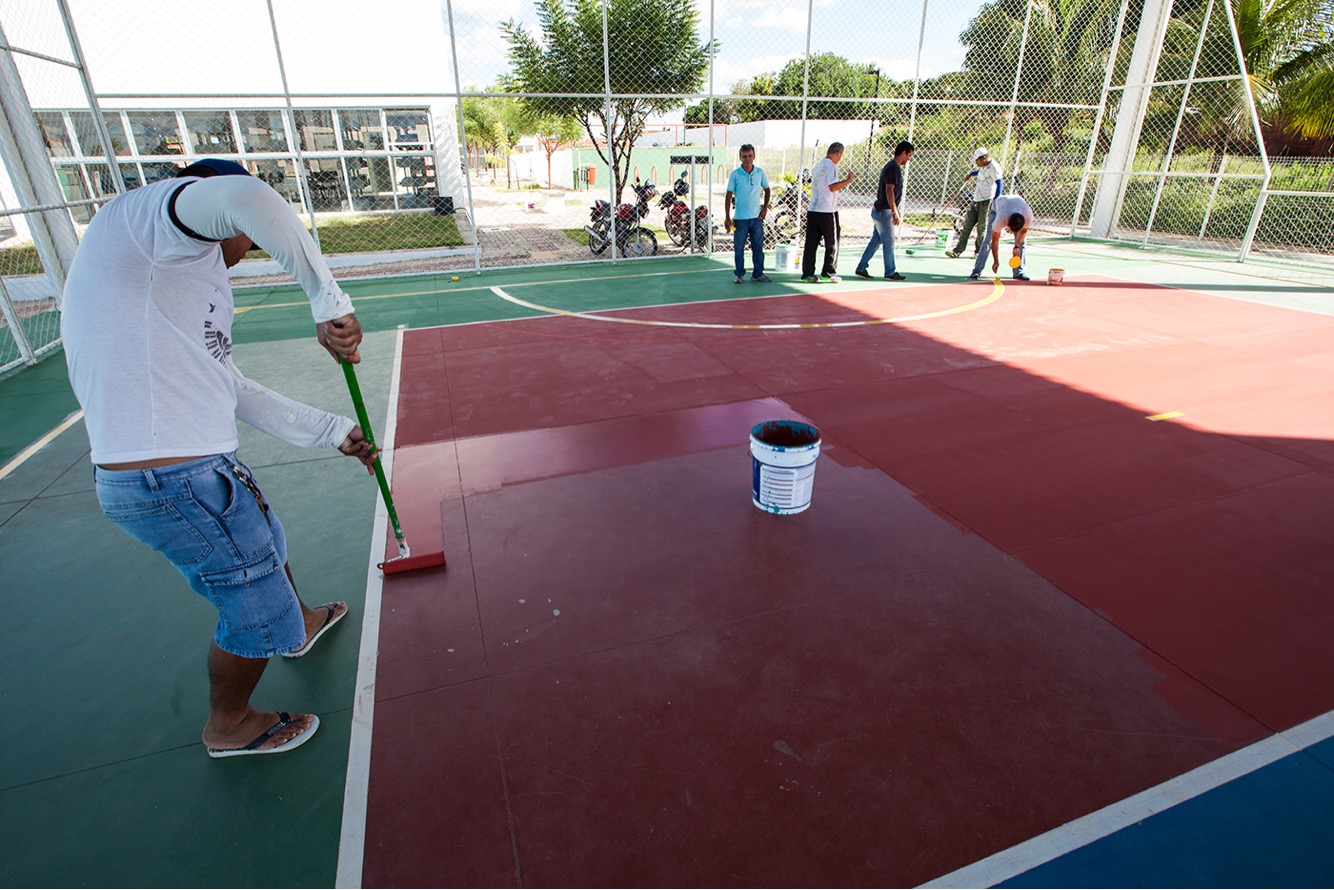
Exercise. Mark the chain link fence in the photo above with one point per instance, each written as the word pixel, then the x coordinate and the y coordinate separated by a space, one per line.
pixel 421 135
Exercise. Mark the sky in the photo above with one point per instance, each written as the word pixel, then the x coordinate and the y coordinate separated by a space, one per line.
pixel 402 46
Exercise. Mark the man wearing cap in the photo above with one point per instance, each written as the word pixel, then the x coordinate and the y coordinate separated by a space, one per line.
pixel 986 187
pixel 146 322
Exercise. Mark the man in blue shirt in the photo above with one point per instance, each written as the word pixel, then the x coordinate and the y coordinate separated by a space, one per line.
pixel 749 188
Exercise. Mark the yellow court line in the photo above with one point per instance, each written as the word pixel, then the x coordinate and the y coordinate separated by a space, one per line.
pixel 997 291
pixel 22 457
pixel 1167 415
pixel 455 290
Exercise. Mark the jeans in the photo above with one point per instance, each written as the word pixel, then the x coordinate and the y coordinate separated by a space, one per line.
pixel 206 517
pixel 882 234
pixel 753 229
pixel 977 211
pixel 986 248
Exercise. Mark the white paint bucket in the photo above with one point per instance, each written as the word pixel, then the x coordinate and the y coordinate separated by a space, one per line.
pixel 1055 276
pixel 783 455
pixel 785 258
pixel 943 238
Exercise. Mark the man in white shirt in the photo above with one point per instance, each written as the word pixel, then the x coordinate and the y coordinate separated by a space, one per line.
pixel 822 216
pixel 986 187
pixel 1012 213
pixel 146 323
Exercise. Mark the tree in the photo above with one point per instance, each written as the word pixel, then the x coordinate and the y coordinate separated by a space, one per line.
pixel 1288 46
pixel 831 76
pixel 655 53
pixel 495 124
pixel 1064 61
pixel 554 132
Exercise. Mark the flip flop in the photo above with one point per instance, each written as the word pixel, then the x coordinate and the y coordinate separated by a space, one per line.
pixel 333 618
pixel 284 719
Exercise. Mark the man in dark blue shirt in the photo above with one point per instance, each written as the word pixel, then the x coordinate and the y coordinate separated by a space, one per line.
pixel 885 213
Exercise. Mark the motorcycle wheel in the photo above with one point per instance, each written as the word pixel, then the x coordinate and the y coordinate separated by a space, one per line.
pixel 639 242
pixel 702 239
pixel 677 234
pixel 782 229
pixel 598 242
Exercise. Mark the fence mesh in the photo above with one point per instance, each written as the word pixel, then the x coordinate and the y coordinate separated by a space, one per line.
pixel 421 135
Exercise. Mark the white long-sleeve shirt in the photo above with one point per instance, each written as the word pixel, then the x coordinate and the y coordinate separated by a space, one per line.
pixel 147 318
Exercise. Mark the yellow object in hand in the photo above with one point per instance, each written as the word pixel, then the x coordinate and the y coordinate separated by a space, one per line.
pixel 1015 262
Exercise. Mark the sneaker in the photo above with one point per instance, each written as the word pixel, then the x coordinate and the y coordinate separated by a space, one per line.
pixel 762 279
pixel 952 254
pixel 974 276
pixel 1020 276
pixel 740 278
pixel 862 273
pixel 831 279
pixel 810 279
pixel 895 276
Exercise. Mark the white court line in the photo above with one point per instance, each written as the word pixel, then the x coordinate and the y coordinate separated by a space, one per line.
pixel 998 290
pixel 21 458
pixel 1081 832
pixel 352 841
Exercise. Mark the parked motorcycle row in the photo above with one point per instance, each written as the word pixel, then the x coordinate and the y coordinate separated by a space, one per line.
pixel 684 227
pixel 633 239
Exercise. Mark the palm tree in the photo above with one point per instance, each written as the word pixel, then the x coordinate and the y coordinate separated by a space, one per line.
pixel 1065 59
pixel 1288 46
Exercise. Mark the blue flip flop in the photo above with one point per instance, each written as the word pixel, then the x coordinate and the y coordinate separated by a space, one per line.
pixel 284 719
pixel 333 618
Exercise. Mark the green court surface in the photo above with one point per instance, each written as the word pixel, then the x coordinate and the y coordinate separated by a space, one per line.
pixel 104 782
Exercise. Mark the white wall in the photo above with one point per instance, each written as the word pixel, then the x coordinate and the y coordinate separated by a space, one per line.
pixel 782 133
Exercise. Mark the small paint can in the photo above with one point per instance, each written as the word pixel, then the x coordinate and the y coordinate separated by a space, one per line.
pixel 783 455
pixel 1055 276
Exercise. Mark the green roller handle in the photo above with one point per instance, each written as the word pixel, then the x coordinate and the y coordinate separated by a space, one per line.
pixel 355 390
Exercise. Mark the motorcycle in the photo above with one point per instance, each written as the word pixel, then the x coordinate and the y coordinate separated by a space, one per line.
pixel 678 218
pixel 632 239
pixel 783 224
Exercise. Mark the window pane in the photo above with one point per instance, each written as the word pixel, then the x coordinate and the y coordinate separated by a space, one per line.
pixel 154 172
pixel 262 130
pixel 72 184
pixel 156 133
pixel 130 173
pixel 361 129
pixel 117 131
pixel 281 175
pixel 416 180
pixel 326 184
pixel 100 176
pixel 412 129
pixel 315 130
pixel 210 132
pixel 54 134
pixel 371 181
pixel 90 144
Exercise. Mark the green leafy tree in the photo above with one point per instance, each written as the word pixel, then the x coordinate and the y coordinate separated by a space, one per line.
pixel 655 52
pixel 1288 46
pixel 1064 62
pixel 831 76
pixel 554 132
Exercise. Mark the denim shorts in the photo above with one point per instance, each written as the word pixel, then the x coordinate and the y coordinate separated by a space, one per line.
pixel 209 519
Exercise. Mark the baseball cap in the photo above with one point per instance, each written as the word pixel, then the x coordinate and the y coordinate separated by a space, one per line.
pixel 206 167
pixel 980 152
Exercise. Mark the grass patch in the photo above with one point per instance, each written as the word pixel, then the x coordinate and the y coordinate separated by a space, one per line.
pixel 21 259
pixel 579 236
pixel 396 231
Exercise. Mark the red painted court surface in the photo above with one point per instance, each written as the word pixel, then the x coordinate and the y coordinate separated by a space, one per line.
pixel 1064 545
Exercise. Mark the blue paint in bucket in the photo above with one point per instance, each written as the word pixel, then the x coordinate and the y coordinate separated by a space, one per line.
pixel 783 455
